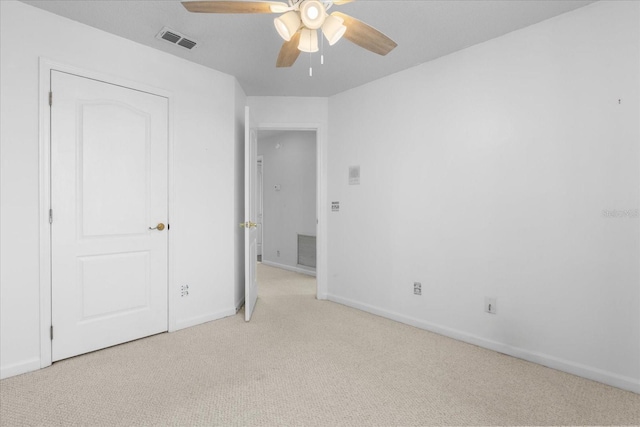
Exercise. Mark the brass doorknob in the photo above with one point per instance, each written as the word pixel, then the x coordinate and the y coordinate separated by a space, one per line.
pixel 158 227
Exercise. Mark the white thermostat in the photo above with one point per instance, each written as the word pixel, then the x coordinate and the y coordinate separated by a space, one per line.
pixel 354 175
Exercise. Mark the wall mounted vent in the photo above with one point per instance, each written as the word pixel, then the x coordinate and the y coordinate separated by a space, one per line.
pixel 175 37
pixel 307 250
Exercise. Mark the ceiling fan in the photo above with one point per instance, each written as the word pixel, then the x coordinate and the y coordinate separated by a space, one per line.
pixel 299 23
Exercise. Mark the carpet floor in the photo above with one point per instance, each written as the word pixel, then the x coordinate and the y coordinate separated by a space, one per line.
pixel 301 361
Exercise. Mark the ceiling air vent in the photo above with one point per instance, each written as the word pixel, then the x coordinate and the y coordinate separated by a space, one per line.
pixel 175 37
pixel 189 44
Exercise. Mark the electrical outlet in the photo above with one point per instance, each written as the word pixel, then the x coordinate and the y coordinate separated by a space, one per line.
pixel 490 305
pixel 184 290
pixel 417 288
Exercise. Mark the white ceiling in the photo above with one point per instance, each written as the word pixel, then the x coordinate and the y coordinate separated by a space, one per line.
pixel 247 46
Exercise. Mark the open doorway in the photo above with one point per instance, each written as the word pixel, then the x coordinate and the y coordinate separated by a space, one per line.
pixel 287 200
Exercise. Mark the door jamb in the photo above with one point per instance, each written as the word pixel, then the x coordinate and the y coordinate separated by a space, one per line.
pixel 260 189
pixel 46 66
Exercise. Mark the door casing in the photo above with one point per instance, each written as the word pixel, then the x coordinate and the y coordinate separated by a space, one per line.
pixel 260 202
pixel 46 66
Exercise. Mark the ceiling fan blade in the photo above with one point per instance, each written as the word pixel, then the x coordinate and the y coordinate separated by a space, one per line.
pixel 222 6
pixel 289 52
pixel 365 35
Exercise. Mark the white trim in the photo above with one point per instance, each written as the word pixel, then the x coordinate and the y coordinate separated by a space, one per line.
pixel 28 365
pixel 260 206
pixel 322 271
pixel 172 297
pixel 321 199
pixel 46 66
pixel 301 270
pixel 609 378
pixel 197 320
pixel 239 305
pixel 45 203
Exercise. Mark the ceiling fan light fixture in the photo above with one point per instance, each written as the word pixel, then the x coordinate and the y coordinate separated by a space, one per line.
pixel 312 13
pixel 287 25
pixel 308 40
pixel 333 29
pixel 298 25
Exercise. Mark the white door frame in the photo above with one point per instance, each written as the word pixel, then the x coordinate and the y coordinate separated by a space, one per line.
pixel 260 207
pixel 46 66
pixel 321 197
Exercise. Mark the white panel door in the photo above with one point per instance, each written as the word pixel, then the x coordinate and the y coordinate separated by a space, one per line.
pixel 251 230
pixel 109 205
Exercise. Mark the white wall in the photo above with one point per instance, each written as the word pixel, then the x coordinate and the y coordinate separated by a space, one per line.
pixel 203 117
pixel 296 113
pixel 289 161
pixel 487 173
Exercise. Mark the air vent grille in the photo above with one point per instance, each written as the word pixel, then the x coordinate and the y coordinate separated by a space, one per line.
pixel 170 37
pixel 189 44
pixel 307 250
pixel 175 37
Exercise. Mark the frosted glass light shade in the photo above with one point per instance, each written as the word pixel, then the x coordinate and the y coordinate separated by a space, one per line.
pixel 313 14
pixel 308 40
pixel 287 25
pixel 333 29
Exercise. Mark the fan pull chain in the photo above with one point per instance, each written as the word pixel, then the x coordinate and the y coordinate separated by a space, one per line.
pixel 310 67
pixel 321 49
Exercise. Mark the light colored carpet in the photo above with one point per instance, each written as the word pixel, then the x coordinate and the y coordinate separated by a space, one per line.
pixel 306 362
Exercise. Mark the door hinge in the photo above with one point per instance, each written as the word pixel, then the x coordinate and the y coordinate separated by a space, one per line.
pixel 50 98
pixel 51 332
pixel 50 216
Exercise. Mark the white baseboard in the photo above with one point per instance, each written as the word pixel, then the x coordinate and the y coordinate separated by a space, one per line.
pixel 290 268
pixel 193 321
pixel 595 374
pixel 239 305
pixel 20 368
